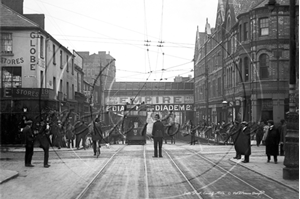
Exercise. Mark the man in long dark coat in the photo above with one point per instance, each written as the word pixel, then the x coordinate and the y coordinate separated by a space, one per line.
pixel 234 135
pixel 44 140
pixel 29 143
pixel 272 141
pixel 158 134
pixel 242 142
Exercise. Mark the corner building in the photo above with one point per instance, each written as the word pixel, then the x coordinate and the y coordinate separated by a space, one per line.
pixel 242 65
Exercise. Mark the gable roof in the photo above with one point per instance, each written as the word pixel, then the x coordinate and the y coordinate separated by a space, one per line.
pixel 10 18
pixel 243 6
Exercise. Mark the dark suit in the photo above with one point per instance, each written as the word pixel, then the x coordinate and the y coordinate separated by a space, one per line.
pixel 29 144
pixel 244 143
pixel 158 134
pixel 44 141
pixel 272 143
pixel 235 135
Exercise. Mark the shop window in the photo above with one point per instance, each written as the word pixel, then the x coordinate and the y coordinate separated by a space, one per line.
pixel 11 77
pixel 6 43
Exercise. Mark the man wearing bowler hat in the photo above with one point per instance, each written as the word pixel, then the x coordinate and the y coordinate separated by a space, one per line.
pixel 242 141
pixel 158 134
pixel 272 141
pixel 29 143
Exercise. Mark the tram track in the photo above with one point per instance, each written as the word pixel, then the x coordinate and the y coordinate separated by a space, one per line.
pixel 194 189
pixel 203 190
pixel 254 153
pixel 88 186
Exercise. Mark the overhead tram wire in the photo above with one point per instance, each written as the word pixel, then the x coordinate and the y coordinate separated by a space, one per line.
pixel 146 39
pixel 161 40
pixel 123 42
pixel 156 71
pixel 98 20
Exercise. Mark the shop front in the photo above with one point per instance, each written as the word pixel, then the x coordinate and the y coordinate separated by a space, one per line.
pixel 28 102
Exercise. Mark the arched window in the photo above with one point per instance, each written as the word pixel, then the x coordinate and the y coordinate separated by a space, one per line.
pixel 228 27
pixel 264 66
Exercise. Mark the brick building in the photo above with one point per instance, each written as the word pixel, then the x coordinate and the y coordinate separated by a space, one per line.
pixel 242 65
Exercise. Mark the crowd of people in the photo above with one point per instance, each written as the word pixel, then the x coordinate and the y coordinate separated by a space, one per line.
pixel 242 135
pixel 46 134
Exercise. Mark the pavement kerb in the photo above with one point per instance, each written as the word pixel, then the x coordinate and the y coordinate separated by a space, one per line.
pixel 260 173
pixel 6 175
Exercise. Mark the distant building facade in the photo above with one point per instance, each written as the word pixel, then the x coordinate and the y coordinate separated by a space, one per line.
pixel 93 64
pixel 159 97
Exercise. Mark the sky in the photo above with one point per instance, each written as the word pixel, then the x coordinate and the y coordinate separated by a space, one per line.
pixel 151 40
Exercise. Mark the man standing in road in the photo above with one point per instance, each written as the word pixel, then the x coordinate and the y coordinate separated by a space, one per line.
pixel 29 143
pixel 157 134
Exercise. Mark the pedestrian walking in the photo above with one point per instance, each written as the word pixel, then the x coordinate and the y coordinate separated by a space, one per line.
pixel 44 140
pixel 56 131
pixel 192 132
pixel 157 134
pixel 259 133
pixel 29 142
pixel 272 141
pixel 70 135
pixel 283 131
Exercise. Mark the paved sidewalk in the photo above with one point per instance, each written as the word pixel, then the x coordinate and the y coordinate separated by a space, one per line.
pixel 270 170
pixel 6 174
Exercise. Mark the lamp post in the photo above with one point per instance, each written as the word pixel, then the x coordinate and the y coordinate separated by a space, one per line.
pixel 291 148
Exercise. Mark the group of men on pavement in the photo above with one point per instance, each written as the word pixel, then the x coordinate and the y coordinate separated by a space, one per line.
pixel 271 136
pixel 41 134
pixel 45 135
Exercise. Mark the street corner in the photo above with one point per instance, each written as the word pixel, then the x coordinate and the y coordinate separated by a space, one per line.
pixel 6 175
